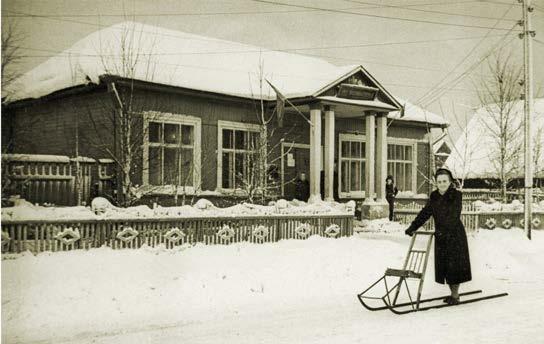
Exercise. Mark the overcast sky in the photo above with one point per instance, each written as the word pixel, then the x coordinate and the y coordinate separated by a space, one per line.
pixel 409 46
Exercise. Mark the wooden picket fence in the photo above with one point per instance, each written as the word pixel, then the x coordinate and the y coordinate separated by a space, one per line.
pixel 64 235
pixel 416 206
pixel 53 179
pixel 484 194
pixel 473 220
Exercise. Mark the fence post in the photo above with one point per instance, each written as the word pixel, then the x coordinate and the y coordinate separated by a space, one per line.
pixel 278 229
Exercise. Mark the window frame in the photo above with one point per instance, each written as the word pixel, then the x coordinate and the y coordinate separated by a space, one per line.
pixel 413 144
pixel 229 125
pixel 179 119
pixel 345 137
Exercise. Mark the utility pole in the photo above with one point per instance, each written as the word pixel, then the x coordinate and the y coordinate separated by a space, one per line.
pixel 527 35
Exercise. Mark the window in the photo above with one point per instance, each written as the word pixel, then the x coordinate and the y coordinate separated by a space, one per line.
pixel 171 150
pixel 401 164
pixel 238 144
pixel 352 165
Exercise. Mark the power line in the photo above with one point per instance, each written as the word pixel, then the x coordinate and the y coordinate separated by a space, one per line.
pixel 431 11
pixel 311 55
pixel 460 77
pixel 373 62
pixel 366 62
pixel 467 72
pixel 356 60
pixel 154 33
pixel 377 16
pixel 279 74
pixel 429 4
pixel 495 2
pixel 224 52
pixel 431 93
pixel 164 14
pixel 175 14
pixel 193 37
pixel 424 87
pixel 288 75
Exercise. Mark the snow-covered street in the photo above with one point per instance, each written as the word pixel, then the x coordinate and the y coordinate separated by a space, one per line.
pixel 293 291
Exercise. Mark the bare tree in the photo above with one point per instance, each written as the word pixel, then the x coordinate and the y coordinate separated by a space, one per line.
pixel 12 39
pixel 126 62
pixel 258 175
pixel 253 178
pixel 498 95
pixel 463 155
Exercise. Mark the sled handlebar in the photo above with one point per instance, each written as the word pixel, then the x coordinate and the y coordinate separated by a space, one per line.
pixel 425 232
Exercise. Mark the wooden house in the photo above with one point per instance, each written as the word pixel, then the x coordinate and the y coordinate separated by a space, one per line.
pixel 188 111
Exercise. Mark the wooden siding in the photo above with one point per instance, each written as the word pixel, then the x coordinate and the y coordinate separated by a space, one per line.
pixel 52 126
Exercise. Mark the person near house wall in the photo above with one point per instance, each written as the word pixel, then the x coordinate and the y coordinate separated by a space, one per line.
pixel 452 262
pixel 302 188
pixel 391 192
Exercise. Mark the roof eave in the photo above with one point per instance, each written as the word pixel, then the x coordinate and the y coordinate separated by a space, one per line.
pixel 420 123
pixel 72 90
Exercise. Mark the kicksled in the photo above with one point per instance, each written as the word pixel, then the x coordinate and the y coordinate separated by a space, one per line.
pixel 394 284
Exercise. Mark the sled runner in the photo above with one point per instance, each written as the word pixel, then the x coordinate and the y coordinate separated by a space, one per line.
pixel 414 268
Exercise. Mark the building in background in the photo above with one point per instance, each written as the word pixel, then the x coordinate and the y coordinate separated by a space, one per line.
pixel 476 158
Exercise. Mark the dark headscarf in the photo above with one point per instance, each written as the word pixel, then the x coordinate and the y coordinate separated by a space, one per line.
pixel 445 171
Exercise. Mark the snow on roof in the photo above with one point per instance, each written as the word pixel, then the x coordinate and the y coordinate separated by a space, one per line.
pixel 36 158
pixel 178 59
pixel 83 159
pixel 475 152
pixel 191 61
pixel 413 113
pixel 45 158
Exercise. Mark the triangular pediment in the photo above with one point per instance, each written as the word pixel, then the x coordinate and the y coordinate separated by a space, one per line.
pixel 359 85
pixel 444 148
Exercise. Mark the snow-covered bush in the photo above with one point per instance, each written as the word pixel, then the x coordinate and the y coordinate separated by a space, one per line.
pixel 204 204
pixel 282 204
pixel 100 205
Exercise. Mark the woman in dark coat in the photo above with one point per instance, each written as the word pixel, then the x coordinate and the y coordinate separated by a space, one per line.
pixel 452 262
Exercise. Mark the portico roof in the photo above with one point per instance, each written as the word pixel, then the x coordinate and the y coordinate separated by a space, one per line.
pixel 354 107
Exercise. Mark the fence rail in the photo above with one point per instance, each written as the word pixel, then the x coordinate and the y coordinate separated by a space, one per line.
pixel 477 219
pixel 64 235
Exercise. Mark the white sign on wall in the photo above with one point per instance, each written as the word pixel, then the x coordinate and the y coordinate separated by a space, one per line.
pixel 290 160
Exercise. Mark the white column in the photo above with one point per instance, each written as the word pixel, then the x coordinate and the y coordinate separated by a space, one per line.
pixel 370 148
pixel 381 155
pixel 315 153
pixel 328 165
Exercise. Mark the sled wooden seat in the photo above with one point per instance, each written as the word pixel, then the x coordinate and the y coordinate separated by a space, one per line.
pixel 403 273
